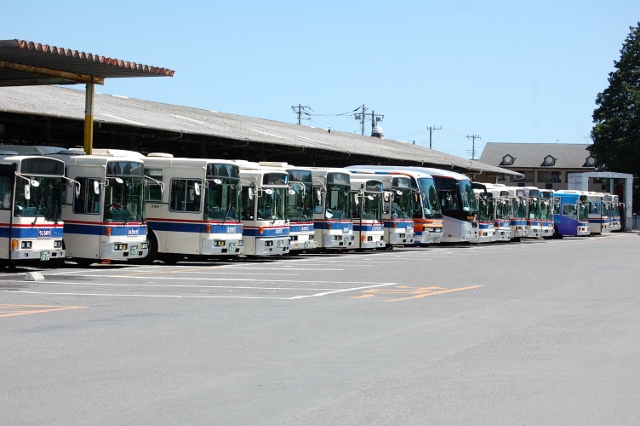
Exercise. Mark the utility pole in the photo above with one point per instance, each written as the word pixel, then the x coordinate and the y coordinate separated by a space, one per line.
pixel 431 129
pixel 299 112
pixel 374 118
pixel 473 146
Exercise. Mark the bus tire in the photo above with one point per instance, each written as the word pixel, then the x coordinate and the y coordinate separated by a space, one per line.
pixel 152 251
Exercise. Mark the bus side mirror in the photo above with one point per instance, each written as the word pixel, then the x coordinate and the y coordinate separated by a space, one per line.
pixel 196 188
pixel 250 193
pixel 96 187
pixel 27 192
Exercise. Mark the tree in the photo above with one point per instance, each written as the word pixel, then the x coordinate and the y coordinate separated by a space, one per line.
pixel 616 131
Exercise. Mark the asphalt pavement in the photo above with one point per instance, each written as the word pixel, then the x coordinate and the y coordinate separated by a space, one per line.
pixel 539 332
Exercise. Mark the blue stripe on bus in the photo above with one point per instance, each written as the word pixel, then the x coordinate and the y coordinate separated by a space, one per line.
pixel 308 227
pixel 195 227
pixel 99 229
pixel 334 225
pixel 398 224
pixel 32 233
pixel 367 228
pixel 266 232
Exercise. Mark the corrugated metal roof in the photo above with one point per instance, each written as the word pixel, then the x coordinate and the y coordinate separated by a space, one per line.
pixel 68 103
pixel 532 155
pixel 43 56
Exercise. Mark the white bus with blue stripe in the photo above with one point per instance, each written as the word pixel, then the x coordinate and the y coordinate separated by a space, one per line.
pixel 31 191
pixel 104 221
pixel 332 208
pixel 265 228
pixel 486 213
pixel 192 208
pixel 367 197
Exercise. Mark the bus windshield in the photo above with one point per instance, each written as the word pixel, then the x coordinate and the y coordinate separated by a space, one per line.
pixel 519 207
pixel 337 205
pixel 503 209
pixel 468 197
pixel 583 213
pixel 123 198
pixel 546 209
pixel 272 204
pixel 299 201
pixel 485 207
pixel 44 199
pixel 367 206
pixel 222 198
pixel 430 203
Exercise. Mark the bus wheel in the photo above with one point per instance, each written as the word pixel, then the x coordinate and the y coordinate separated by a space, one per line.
pixel 152 252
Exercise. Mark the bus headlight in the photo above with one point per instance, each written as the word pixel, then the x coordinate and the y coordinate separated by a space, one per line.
pixel 57 244
pixel 25 245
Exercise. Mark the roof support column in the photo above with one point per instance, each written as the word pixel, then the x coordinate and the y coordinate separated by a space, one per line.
pixel 88 119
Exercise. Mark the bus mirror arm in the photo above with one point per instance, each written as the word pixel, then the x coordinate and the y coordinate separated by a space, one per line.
pixel 161 184
pixel 76 185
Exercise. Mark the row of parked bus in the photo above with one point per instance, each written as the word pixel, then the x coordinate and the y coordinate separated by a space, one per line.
pixel 61 204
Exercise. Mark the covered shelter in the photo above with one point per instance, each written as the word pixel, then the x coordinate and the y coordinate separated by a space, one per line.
pixel 25 63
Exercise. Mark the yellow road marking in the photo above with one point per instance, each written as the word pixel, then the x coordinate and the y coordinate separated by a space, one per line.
pixel 15 310
pixel 411 292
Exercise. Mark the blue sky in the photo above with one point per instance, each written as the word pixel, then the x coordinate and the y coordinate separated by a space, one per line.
pixel 507 71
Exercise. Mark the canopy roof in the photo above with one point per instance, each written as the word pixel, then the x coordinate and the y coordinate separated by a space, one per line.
pixel 25 63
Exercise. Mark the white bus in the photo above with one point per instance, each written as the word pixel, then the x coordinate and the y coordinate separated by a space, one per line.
pixel 104 221
pixel 534 222
pixel 366 211
pixel 300 209
pixel 332 208
pixel 400 202
pixel 546 213
pixel 299 206
pixel 486 213
pixel 519 211
pixel 502 212
pixel 192 208
pixel 265 228
pixel 31 191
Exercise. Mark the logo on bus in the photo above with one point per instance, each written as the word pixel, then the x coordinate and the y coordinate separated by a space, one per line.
pixel 346 230
pixel 44 233
pixel 279 230
pixel 377 228
pixel 231 230
pixel 132 232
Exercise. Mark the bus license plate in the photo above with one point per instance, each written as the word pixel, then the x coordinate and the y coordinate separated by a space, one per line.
pixel 232 247
pixel 133 251
pixel 45 255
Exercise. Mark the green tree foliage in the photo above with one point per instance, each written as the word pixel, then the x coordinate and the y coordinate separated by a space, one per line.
pixel 616 131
